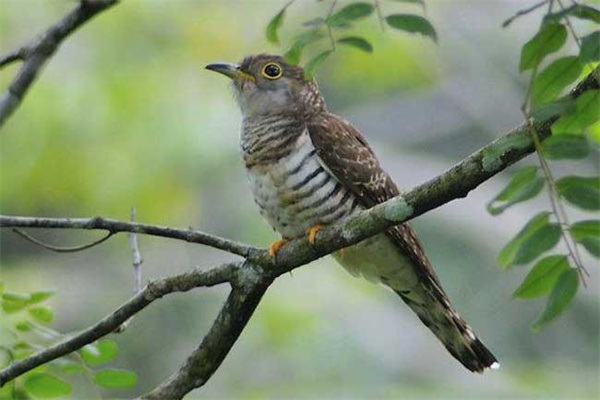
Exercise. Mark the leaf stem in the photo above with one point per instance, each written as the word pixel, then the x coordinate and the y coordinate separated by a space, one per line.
pixel 329 30
pixel 570 26
pixel 555 201
pixel 379 15
pixel 522 12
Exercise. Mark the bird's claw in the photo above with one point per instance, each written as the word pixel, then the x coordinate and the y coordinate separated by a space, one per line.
pixel 275 246
pixel 312 233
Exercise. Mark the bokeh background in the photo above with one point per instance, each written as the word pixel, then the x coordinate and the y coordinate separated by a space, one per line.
pixel 125 115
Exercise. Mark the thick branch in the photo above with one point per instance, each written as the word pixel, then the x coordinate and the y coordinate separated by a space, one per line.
pixel 35 54
pixel 154 290
pixel 206 359
pixel 114 226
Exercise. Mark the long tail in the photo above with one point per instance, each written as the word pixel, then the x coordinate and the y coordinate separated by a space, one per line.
pixel 453 331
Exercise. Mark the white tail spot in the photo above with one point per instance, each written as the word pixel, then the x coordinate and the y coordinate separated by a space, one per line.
pixel 495 365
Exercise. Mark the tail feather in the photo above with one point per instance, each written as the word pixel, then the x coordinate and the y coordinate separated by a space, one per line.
pixel 453 331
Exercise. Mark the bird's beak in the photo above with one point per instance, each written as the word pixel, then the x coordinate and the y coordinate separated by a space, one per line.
pixel 230 70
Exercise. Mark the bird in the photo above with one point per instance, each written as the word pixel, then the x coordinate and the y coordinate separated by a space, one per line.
pixel 309 168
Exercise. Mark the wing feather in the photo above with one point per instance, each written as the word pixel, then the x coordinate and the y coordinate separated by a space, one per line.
pixel 345 153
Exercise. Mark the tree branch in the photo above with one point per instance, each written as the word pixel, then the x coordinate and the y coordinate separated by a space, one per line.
pixel 250 280
pixel 114 226
pixel 57 249
pixel 153 291
pixel 35 54
pixel 206 359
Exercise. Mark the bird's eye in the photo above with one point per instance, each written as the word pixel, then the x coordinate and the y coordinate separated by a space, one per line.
pixel 272 71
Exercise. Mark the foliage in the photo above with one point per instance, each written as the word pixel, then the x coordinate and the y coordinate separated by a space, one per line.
pixel 317 30
pixel 556 276
pixel 24 330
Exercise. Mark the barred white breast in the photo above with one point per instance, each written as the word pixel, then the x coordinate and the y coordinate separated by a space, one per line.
pixel 295 192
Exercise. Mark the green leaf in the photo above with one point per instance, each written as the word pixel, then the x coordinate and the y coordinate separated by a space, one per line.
pixel 593 133
pixel 524 185
pixel 11 304
pixel 100 353
pixel 579 11
pixel 413 24
pixel 315 62
pixel 350 13
pixel 542 277
pixel 536 237
pixel 42 314
pixel 554 78
pixel 583 192
pixel 46 386
pixel 358 42
pixel 554 109
pixel 274 25
pixel 68 366
pixel 550 38
pixel 37 297
pixel 73 368
pixel 585 114
pixel 115 378
pixel 538 243
pixel 23 326
pixel 590 48
pixel 592 245
pixel 561 296
pixel 9 296
pixel 587 233
pixel 561 147
pixel 294 54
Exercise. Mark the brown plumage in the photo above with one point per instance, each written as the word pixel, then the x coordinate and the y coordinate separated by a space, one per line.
pixel 308 167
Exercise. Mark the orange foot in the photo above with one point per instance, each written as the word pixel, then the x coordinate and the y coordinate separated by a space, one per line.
pixel 312 233
pixel 275 246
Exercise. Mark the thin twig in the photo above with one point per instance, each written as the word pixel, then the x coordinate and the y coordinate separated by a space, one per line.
pixel 329 29
pixel 379 15
pixel 36 53
pixel 570 26
pixel 58 249
pixel 137 270
pixel 559 211
pixel 136 258
pixel 522 12
pixel 16 55
pixel 115 226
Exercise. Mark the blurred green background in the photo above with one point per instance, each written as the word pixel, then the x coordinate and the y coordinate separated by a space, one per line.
pixel 124 115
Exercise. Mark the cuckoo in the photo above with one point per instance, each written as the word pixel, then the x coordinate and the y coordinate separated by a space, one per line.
pixel 309 168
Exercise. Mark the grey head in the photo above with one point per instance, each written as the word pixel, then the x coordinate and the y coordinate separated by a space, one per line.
pixel 266 85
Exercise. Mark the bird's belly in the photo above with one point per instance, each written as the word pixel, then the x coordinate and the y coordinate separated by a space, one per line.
pixel 296 192
pixel 379 260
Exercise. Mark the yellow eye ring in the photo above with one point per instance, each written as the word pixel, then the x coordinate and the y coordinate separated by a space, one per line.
pixel 272 71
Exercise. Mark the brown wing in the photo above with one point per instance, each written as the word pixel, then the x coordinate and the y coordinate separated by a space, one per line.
pixel 347 155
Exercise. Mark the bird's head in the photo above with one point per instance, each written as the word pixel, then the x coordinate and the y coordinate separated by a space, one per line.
pixel 266 85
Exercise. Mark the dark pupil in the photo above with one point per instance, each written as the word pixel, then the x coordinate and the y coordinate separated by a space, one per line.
pixel 272 70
